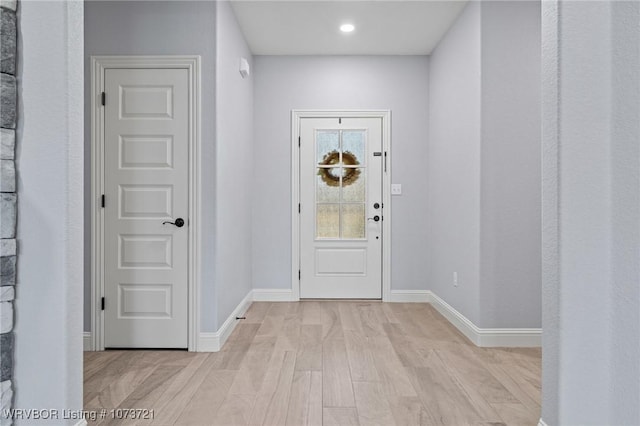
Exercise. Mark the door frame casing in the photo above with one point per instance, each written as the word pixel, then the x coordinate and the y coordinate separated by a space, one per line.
pixel 99 64
pixel 385 116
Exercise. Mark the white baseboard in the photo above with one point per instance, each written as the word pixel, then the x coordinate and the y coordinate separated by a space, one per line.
pixel 272 295
pixel 483 337
pixel 542 423
pixel 286 295
pixel 487 337
pixel 409 296
pixel 209 342
pixel 87 341
pixel 213 342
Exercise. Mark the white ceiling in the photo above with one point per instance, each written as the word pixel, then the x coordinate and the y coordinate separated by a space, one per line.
pixel 310 27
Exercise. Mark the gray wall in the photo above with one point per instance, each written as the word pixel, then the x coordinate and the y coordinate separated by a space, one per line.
pixel 484 165
pixel 234 167
pixel 510 192
pixel 398 83
pixel 625 214
pixel 453 165
pixel 159 28
pixel 591 234
pixel 48 362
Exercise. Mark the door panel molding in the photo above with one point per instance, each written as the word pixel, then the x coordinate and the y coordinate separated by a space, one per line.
pixel 296 116
pixel 99 65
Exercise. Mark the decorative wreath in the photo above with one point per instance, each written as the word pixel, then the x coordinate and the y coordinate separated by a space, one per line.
pixel 331 177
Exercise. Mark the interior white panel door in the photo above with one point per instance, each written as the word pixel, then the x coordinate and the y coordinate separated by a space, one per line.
pixel 146 186
pixel 341 216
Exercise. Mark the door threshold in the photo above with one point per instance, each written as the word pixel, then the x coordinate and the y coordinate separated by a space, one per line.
pixel 147 349
pixel 340 300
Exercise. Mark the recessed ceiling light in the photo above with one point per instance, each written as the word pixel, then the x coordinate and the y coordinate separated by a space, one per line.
pixel 347 28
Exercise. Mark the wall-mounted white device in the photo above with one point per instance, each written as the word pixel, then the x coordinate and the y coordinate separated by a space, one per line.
pixel 244 68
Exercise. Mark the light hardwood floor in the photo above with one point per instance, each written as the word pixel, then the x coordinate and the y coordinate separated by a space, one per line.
pixel 324 363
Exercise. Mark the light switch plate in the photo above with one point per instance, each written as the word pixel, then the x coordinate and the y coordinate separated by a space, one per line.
pixel 396 189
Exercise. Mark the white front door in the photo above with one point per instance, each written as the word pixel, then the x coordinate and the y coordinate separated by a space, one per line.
pixel 146 198
pixel 341 208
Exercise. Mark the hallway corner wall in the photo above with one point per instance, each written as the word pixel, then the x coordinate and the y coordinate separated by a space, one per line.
pixel 591 200
pixel 453 165
pixel 234 160
pixel 510 166
pixel 484 165
pixel 48 322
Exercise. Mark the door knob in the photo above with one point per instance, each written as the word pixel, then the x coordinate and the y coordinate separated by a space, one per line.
pixel 179 222
pixel 376 206
pixel 376 218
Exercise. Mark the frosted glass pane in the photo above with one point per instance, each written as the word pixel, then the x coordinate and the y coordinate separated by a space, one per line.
pixel 327 142
pixel 330 175
pixel 328 221
pixel 353 141
pixel 326 190
pixel 353 221
pixel 353 185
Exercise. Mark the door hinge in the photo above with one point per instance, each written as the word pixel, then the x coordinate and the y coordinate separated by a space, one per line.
pixel 298 140
pixel 339 120
pixel 103 201
pixel 104 98
pixel 299 208
pixel 299 274
pixel 385 161
pixel 102 303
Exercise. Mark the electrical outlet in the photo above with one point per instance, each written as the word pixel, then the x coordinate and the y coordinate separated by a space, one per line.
pixel 455 279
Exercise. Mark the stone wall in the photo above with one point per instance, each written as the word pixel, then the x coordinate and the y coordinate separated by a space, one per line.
pixel 8 197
